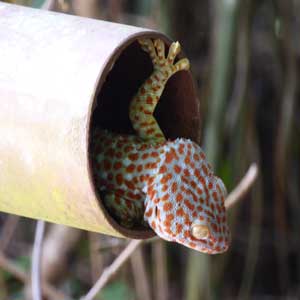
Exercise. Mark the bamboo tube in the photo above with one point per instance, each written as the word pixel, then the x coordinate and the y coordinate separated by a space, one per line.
pixel 60 77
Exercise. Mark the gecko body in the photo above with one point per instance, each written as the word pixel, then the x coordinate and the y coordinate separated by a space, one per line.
pixel 166 184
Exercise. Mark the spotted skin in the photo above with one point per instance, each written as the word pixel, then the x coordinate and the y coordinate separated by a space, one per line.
pixel 166 184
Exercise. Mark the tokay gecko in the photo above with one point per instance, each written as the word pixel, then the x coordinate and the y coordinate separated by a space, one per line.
pixel 166 184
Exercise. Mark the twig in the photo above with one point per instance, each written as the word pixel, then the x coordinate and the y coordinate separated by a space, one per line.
pixel 242 188
pixel 49 291
pixel 112 269
pixel 49 5
pixel 36 261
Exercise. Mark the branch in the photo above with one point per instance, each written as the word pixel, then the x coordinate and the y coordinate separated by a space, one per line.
pixel 48 291
pixel 36 261
pixel 242 188
pixel 112 269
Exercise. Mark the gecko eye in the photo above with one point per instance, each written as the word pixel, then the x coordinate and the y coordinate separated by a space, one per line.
pixel 200 231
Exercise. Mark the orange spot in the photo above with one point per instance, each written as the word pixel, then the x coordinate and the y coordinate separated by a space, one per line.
pixel 177 169
pixel 210 186
pixel 215 196
pixel 119 179
pixel 129 184
pixel 145 156
pixel 151 180
pixel 147 112
pixel 144 147
pixel 117 165
pixel 181 149
pixel 149 100
pixel 167 206
pixel 165 197
pixel 167 223
pixel 149 81
pixel 169 231
pixel 130 168
pixel 178 228
pixel 150 131
pixel 187 160
pixel 214 227
pixel 186 172
pixel 151 194
pixel 164 188
pixel 180 212
pixel 159 135
pixel 187 221
pixel 179 197
pixel 186 234
pixel 153 225
pixel 199 191
pixel 162 169
pixel 205 171
pixel 202 155
pixel 192 245
pixel 169 157
pixel 189 205
pixel 154 154
pixel 193 184
pixel 196 157
pixel 139 168
pixel 166 178
pixel 170 217
pixel 133 156
pixel 199 208
pixel 158 214
pixel 174 187
pixel 149 212
pixel 194 214
pixel 110 176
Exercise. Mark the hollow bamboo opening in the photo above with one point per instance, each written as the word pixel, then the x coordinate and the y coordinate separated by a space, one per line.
pixel 177 111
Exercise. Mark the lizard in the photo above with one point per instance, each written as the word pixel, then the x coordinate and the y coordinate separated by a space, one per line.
pixel 148 179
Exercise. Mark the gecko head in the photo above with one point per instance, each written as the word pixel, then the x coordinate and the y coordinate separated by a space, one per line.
pixel 190 209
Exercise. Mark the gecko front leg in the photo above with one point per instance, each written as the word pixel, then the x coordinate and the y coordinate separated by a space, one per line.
pixel 143 104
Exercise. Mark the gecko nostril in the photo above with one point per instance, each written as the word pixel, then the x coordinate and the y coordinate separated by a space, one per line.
pixel 155 211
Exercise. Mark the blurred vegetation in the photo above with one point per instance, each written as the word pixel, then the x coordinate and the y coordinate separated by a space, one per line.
pixel 245 58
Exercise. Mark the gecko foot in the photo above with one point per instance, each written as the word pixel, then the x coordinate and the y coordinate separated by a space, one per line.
pixel 162 63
